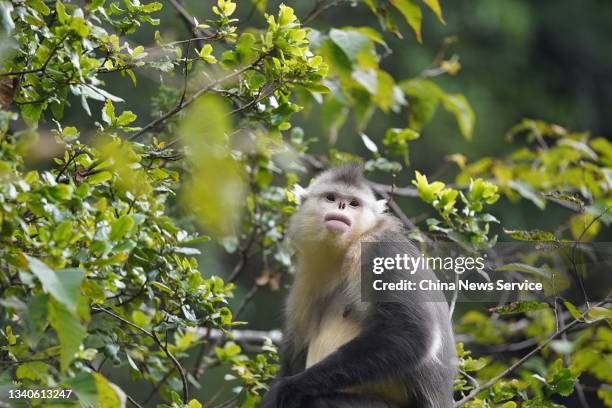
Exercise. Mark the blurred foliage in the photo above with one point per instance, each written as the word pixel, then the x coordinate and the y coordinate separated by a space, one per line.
pixel 99 250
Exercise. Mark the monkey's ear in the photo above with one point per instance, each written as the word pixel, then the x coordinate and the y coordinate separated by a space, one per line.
pixel 299 192
pixel 381 206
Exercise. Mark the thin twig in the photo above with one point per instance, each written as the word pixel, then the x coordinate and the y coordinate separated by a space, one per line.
pixel 319 8
pixel 190 23
pixel 575 246
pixel 245 301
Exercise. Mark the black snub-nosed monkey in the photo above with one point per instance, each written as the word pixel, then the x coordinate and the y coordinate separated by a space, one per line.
pixel 339 352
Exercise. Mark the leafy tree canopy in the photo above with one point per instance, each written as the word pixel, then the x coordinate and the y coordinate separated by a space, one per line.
pixel 99 271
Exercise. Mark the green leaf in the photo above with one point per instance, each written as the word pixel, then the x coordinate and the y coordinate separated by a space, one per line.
pixel 99 178
pixel 563 382
pixel 424 98
pixel 34 371
pixel 427 192
pixel 459 106
pixel 576 314
pixel 531 236
pixel 412 13
pixel 598 313
pixel 126 118
pixel 62 16
pixel 62 232
pixel 526 191
pixel 69 331
pixel 140 318
pixel 94 390
pixel 470 364
pixel 194 404
pixel 121 227
pixel 84 387
pixel 63 284
pixel 80 26
pixel 151 7
pixel 350 42
pixel 568 200
pixel 396 140
pixel 229 350
pixel 31 113
pixel 367 78
pixel 519 307
pixel 109 395
pixel 69 134
pixel 108 112
pixel 286 15
pixel 40 6
pixel 205 54
pixel 384 90
pixel 369 32
pixel 245 48
pixel 397 135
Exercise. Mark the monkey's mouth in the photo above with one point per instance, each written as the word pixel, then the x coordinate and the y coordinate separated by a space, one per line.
pixel 337 222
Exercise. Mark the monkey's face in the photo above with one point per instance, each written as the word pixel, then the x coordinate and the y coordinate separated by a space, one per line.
pixel 333 215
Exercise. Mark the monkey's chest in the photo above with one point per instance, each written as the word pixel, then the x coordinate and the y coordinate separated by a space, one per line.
pixel 333 331
pixel 337 329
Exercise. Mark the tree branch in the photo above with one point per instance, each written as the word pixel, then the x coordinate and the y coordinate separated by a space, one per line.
pixel 164 348
pixel 190 23
pixel 186 102
pixel 43 67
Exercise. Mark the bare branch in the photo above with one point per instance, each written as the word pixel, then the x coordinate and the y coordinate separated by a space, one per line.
pixel 319 8
pixel 401 191
pixel 245 301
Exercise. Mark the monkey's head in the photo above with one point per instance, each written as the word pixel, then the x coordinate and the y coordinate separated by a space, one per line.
pixel 337 208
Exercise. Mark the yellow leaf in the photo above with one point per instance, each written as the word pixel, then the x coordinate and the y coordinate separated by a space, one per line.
pixel 583 227
pixel 434 5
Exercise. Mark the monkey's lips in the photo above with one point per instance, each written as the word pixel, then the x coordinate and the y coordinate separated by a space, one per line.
pixel 337 222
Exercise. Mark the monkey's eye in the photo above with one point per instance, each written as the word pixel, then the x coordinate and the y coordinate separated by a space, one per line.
pixel 354 203
pixel 330 197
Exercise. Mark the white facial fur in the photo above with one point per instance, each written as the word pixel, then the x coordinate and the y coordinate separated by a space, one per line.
pixel 332 214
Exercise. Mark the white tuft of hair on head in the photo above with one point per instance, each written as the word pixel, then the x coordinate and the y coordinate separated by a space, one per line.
pixel 381 206
pixel 299 192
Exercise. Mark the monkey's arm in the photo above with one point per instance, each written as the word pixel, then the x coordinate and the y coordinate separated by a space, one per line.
pixel 396 340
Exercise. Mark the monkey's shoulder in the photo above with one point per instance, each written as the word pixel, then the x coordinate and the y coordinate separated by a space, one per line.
pixel 387 239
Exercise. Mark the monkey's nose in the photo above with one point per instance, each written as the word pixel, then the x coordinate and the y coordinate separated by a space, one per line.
pixel 341 205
